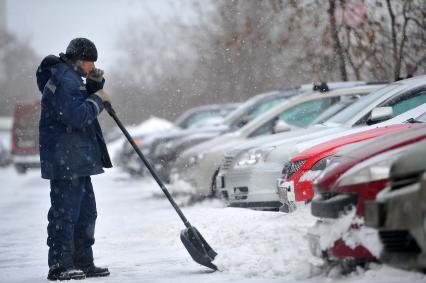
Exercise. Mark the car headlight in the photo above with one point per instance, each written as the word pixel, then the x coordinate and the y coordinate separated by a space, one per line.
pixel 370 170
pixel 252 157
pixel 316 170
pixel 248 159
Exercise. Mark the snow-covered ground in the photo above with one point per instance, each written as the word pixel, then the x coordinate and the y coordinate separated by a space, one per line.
pixel 137 237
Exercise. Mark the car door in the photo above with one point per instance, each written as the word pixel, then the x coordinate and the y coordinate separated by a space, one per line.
pixel 400 103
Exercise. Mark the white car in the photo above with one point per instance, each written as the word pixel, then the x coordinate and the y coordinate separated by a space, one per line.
pixel 248 178
pixel 197 165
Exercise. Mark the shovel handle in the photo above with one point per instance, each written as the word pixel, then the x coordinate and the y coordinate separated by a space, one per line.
pixel 112 113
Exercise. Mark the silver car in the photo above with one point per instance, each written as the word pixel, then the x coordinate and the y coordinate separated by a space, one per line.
pixel 256 171
pixel 197 166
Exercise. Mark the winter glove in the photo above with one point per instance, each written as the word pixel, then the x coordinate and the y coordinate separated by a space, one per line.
pixel 103 95
pixel 95 81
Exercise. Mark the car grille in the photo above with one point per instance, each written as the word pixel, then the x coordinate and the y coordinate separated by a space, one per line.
pixel 227 162
pixel 292 167
pixel 398 183
pixel 399 241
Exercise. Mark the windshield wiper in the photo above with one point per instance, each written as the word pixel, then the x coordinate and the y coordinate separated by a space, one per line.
pixel 413 121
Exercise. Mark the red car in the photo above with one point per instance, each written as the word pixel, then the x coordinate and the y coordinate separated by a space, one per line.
pixel 25 146
pixel 350 180
pixel 303 168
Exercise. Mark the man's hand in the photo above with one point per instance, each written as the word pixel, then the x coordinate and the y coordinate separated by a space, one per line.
pixel 103 95
pixel 95 81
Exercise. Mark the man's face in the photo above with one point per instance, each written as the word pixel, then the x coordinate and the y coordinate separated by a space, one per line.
pixel 87 67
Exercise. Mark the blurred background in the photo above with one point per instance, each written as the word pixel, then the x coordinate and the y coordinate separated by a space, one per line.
pixel 163 57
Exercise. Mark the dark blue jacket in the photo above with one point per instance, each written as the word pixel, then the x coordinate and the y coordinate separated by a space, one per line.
pixel 71 141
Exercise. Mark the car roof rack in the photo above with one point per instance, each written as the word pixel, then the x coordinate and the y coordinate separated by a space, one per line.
pixel 320 86
pixel 377 82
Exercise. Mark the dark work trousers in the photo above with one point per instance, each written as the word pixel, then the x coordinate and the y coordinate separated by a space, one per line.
pixel 72 218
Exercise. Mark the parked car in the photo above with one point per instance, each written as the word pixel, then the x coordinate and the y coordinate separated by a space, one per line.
pixel 198 166
pixel 299 173
pixel 162 149
pixel 190 120
pixel 258 168
pixel 205 115
pixel 344 186
pixel 5 132
pixel 399 212
pixel 25 145
pixel 4 156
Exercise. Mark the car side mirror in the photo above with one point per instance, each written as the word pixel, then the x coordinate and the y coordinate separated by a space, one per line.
pixel 244 120
pixel 380 114
pixel 281 126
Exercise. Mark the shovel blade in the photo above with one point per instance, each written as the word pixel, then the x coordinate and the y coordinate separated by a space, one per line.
pixel 198 248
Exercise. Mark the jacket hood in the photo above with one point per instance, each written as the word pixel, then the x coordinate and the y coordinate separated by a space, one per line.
pixel 44 71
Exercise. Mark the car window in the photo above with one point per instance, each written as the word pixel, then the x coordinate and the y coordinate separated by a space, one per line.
pixel 303 114
pixel 345 102
pixel 265 106
pixel 407 102
pixel 266 129
pixel 300 115
pixel 245 108
pixel 345 115
pixel 197 117
pixel 399 104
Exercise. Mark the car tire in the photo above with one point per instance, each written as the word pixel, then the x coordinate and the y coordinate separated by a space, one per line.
pixel 21 169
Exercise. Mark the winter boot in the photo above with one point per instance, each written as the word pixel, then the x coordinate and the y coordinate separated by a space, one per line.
pixel 94 271
pixel 61 273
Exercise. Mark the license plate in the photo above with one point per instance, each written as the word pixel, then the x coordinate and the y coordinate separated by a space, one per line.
pixel 285 190
pixel 240 193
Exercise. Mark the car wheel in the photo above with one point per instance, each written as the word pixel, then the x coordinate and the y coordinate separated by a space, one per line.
pixel 21 169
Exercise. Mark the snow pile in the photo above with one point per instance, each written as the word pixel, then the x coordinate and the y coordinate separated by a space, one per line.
pixel 332 230
pixel 115 147
pixel 152 125
pixel 183 192
pixel 137 237
pixel 265 244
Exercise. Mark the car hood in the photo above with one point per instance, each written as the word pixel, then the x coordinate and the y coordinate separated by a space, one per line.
pixel 183 142
pixel 411 163
pixel 294 144
pixel 363 134
pixel 366 150
pixel 206 146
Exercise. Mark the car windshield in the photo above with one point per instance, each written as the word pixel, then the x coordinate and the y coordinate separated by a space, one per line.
pixel 252 106
pixel 262 108
pixel 303 114
pixel 348 113
pixel 422 118
pixel 332 110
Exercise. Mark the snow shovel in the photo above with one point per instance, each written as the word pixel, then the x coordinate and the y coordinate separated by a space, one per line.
pixel 197 247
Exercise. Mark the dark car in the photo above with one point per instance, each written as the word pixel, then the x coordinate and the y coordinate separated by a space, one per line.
pixel 349 180
pixel 195 119
pixel 399 212
pixel 25 145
